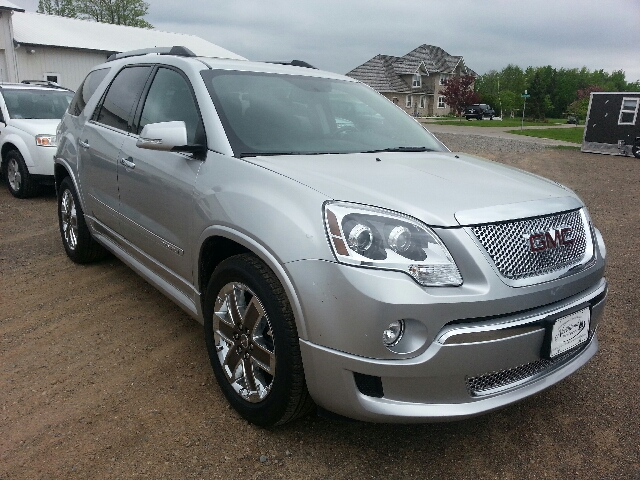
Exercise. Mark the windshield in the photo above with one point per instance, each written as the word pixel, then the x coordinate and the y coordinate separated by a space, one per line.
pixel 275 114
pixel 43 104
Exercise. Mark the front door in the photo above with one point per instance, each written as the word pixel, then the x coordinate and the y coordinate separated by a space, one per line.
pixel 156 188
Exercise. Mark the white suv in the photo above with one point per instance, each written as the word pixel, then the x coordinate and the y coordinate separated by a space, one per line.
pixel 29 114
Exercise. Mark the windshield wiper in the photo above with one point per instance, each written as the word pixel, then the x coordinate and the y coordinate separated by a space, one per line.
pixel 401 149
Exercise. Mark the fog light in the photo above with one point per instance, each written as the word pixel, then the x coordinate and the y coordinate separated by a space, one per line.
pixel 393 333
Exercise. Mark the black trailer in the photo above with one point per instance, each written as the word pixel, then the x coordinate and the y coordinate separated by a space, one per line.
pixel 613 124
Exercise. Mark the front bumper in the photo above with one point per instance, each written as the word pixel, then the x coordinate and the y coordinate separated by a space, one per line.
pixel 40 161
pixel 500 353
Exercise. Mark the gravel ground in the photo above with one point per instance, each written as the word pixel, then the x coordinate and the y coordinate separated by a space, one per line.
pixel 103 377
pixel 480 144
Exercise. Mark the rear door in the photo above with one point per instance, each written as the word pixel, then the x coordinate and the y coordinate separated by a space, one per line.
pixel 101 140
pixel 156 188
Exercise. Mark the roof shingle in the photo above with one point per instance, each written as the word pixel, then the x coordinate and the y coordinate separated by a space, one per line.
pixel 384 72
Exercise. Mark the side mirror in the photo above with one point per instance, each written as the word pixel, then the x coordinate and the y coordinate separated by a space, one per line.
pixel 166 136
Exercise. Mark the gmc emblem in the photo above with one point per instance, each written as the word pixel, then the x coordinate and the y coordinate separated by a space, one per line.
pixel 560 237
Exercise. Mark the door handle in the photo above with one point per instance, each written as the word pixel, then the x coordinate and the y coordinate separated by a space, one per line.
pixel 127 163
pixel 84 144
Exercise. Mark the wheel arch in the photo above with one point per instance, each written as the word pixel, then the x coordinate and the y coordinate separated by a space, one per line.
pixel 61 170
pixel 14 142
pixel 219 243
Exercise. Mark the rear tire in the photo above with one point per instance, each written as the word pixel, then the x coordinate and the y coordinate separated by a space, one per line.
pixel 636 148
pixel 253 343
pixel 19 182
pixel 76 238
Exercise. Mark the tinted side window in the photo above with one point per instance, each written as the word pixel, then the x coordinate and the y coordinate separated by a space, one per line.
pixel 85 91
pixel 121 99
pixel 170 99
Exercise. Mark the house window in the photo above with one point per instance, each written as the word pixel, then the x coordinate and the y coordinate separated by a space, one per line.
pixel 408 104
pixel 628 111
pixel 417 80
pixel 441 103
pixel 51 77
pixel 443 78
pixel 422 101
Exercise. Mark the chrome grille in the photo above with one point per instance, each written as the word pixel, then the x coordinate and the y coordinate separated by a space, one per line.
pixel 508 245
pixel 485 383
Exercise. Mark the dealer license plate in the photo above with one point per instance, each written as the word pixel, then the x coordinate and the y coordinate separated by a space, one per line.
pixel 569 332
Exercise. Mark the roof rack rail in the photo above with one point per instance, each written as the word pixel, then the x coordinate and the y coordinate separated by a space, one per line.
pixel 175 50
pixel 295 63
pixel 44 83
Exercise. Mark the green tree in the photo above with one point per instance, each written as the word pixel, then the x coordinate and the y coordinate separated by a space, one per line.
pixel 118 12
pixel 510 102
pixel 540 100
pixel 512 78
pixel 62 8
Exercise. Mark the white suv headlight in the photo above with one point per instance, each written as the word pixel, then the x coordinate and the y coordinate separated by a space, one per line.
pixel 46 141
pixel 374 237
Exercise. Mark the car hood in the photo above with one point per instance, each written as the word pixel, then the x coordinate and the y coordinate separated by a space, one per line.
pixel 35 126
pixel 441 189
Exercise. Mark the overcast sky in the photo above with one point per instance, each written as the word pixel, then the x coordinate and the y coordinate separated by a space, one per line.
pixel 339 35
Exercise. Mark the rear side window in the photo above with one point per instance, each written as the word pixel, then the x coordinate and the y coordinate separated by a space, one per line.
pixel 119 104
pixel 85 91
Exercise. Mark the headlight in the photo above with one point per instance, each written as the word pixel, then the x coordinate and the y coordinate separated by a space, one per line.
pixel 46 141
pixel 374 237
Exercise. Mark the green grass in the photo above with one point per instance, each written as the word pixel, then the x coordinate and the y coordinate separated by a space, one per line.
pixel 573 135
pixel 507 122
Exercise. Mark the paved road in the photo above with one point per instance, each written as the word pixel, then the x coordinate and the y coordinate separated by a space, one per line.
pixel 497 132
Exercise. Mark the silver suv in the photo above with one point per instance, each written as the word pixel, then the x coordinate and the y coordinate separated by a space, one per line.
pixel 29 115
pixel 336 252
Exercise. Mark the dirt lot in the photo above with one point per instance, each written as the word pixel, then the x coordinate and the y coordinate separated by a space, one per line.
pixel 103 377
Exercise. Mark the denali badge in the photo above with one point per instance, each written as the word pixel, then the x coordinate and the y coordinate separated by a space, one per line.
pixel 559 237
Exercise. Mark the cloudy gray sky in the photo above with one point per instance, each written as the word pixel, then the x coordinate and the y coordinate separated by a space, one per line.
pixel 339 35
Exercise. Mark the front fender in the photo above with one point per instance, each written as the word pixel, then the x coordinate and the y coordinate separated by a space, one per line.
pixel 267 257
pixel 22 147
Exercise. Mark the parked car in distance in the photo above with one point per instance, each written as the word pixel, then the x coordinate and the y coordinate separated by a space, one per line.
pixel 336 252
pixel 479 111
pixel 29 115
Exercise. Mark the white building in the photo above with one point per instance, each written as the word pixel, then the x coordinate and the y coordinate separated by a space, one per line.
pixel 35 46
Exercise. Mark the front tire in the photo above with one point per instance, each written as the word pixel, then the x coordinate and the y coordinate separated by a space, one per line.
pixel 253 344
pixel 76 238
pixel 20 183
pixel 636 148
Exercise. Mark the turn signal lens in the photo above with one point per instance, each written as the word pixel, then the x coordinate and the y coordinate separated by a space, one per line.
pixel 46 141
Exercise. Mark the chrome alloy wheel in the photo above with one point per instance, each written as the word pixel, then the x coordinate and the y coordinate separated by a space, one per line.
pixel 244 342
pixel 13 175
pixel 69 219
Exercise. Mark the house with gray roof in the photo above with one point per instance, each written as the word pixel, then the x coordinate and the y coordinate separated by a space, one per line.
pixel 35 46
pixel 415 80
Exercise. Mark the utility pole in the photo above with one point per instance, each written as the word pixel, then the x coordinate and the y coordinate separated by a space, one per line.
pixel 525 95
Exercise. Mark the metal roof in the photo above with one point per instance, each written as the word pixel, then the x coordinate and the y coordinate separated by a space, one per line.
pixel 4 5
pixel 50 30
